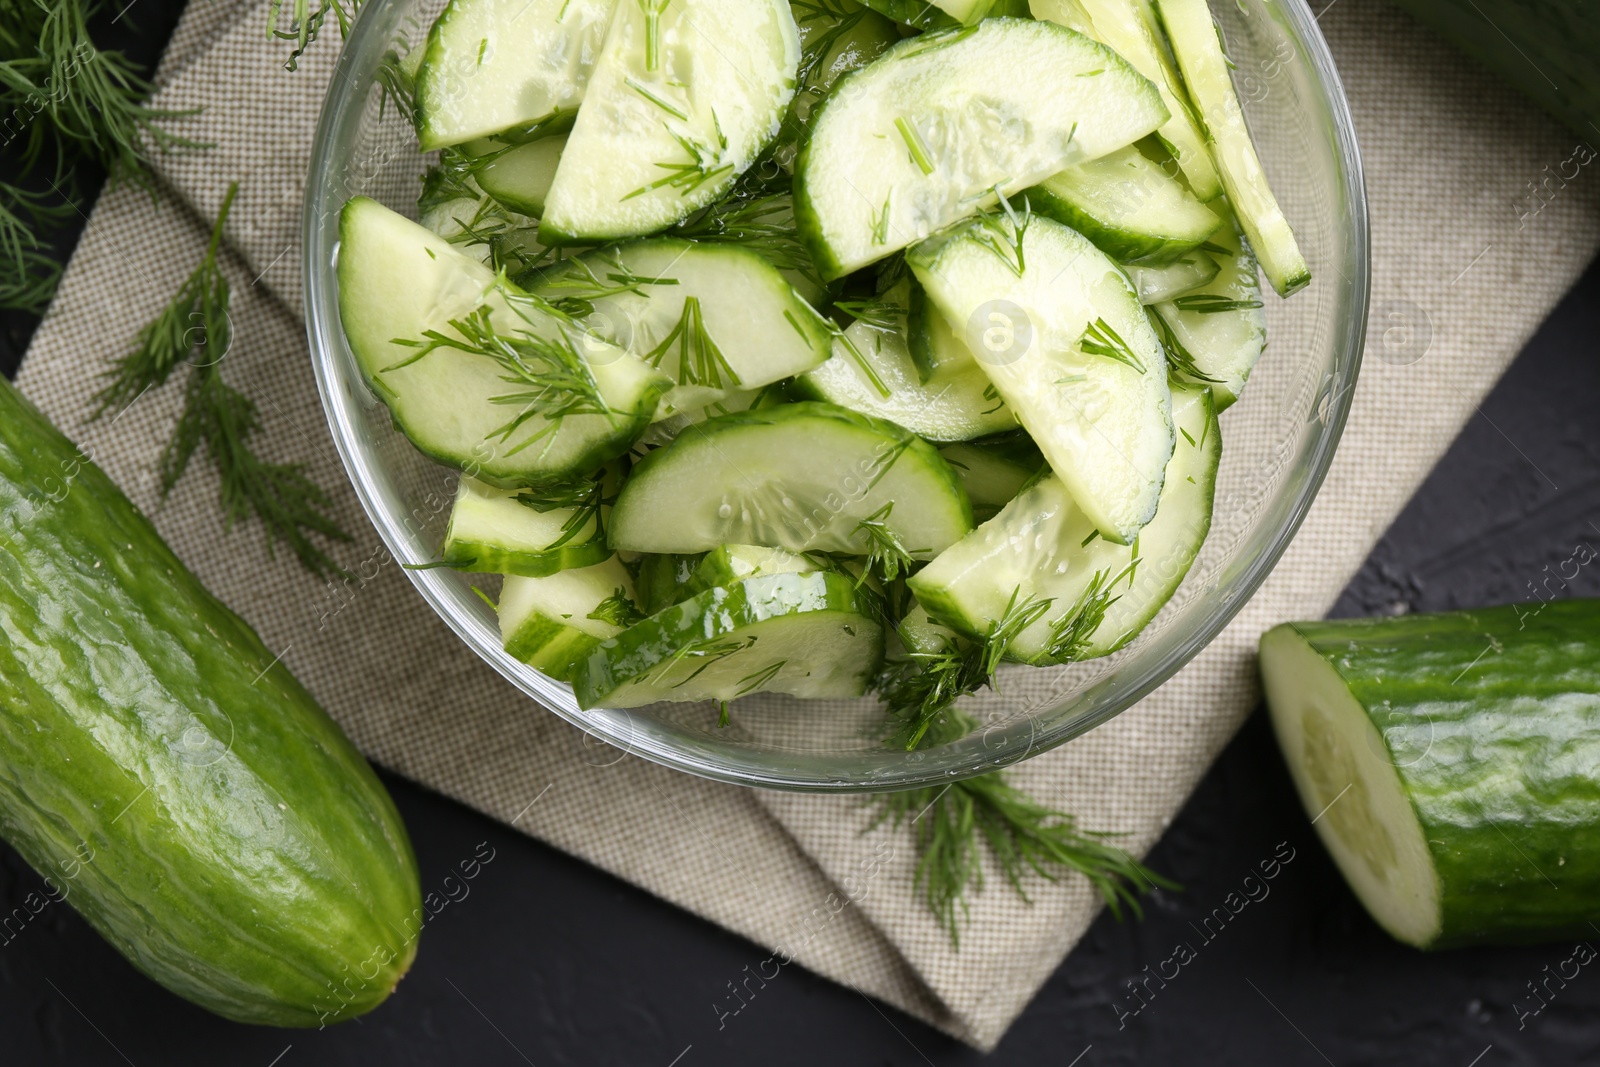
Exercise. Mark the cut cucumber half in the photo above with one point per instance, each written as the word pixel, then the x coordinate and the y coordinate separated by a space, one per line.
pixel 1127 206
pixel 1168 280
pixel 718 318
pixel 397 281
pixel 728 565
pixel 956 403
pixel 809 635
pixel 1197 43
pixel 1217 332
pixel 1122 25
pixel 554 622
pixel 927 134
pixel 1058 329
pixel 504 531
pixel 1041 546
pixel 685 96
pixel 992 481
pixel 519 175
pixel 1447 763
pixel 497 65
pixel 798 476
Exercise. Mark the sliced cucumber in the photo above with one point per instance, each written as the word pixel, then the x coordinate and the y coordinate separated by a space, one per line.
pixel 1155 283
pixel 717 317
pixel 808 635
pixel 836 37
pixel 1219 330
pixel 661 579
pixel 1056 326
pixel 665 429
pixel 924 136
pixel 501 531
pixel 497 65
pixel 453 206
pixel 554 622
pixel 798 476
pixel 397 281
pixel 1197 43
pixel 519 175
pixel 685 96
pixel 956 403
pixel 1122 25
pixel 1041 546
pixel 992 481
pixel 728 565
pixel 923 14
pixel 1127 206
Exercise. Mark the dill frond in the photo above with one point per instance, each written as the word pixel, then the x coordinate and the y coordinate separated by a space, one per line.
pixel 298 21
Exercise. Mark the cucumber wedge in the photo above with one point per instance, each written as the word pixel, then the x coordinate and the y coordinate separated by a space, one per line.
pixel 1448 764
pixel 556 621
pixel 799 476
pixel 1041 546
pixel 497 65
pixel 397 281
pixel 926 135
pixel 1127 206
pixel 1197 43
pixel 808 635
pixel 685 96
pixel 1122 25
pixel 1157 283
pixel 956 403
pixel 836 37
pixel 1058 329
pixel 992 481
pixel 730 564
pixel 1217 332
pixel 519 175
pixel 717 318
pixel 509 531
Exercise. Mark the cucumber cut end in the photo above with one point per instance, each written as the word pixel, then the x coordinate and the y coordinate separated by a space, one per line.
pixel 1351 788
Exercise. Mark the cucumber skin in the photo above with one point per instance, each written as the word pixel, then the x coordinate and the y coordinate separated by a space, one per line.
pixel 1529 712
pixel 115 657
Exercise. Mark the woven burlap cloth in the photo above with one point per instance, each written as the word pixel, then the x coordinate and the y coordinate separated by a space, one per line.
pixel 1449 155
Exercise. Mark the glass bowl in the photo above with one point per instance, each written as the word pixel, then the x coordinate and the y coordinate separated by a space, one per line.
pixel 1279 438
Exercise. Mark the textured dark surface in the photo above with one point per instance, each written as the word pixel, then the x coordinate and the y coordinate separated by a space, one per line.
pixel 544 960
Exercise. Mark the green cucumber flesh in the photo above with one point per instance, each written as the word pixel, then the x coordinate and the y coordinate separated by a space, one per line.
pixel 167 772
pixel 921 14
pixel 495 531
pixel 494 65
pixel 1197 43
pixel 956 403
pixel 1103 422
pixel 727 565
pixel 808 635
pixel 1448 764
pixel 835 38
pixel 397 281
pixel 927 134
pixel 519 175
pixel 718 318
pixel 798 476
pixel 1221 325
pixel 992 481
pixel 1042 546
pixel 661 578
pixel 555 621
pixel 1186 274
pixel 1127 206
pixel 684 98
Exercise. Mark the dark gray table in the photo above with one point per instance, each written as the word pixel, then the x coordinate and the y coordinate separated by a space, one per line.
pixel 549 961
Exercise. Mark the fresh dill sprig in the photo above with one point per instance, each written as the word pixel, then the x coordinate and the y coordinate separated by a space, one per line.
pixel 574 289
pixel 879 314
pixel 1100 339
pixel 28 274
pixel 584 497
pixel 887 556
pixel 618 609
pixel 700 361
pixel 704 166
pixel 195 329
pixel 1070 635
pixel 1003 233
pixel 1212 304
pixel 1180 361
pixel 949 822
pixel 304 22
pixel 652 10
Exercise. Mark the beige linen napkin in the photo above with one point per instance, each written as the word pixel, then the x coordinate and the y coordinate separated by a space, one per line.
pixel 1447 153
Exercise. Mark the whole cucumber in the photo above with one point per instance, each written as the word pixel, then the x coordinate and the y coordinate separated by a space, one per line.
pixel 167 774
pixel 1451 764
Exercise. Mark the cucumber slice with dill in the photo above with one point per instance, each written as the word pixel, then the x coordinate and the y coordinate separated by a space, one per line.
pixel 809 635
pixel 1216 333
pixel 684 98
pixel 497 65
pixel 804 477
pixel 1197 43
pixel 930 132
pixel 1158 282
pixel 566 404
pixel 1127 206
pixel 556 621
pixel 992 480
pixel 728 565
pixel 519 175
pixel 519 531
